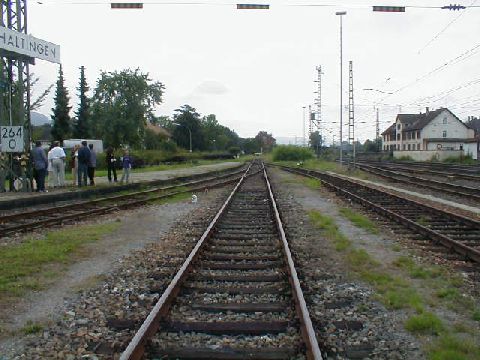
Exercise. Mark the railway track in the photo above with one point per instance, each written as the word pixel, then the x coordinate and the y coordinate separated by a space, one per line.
pixel 56 214
pixel 394 174
pixel 237 292
pixel 457 233
pixel 447 172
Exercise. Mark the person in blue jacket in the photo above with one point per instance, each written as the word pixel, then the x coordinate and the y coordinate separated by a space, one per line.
pixel 126 166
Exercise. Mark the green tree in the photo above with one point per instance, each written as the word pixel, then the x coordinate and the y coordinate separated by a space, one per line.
pixel 316 141
pixel 81 123
pixel 250 145
pixel 62 124
pixel 266 141
pixel 370 146
pixel 187 123
pixel 216 136
pixel 122 104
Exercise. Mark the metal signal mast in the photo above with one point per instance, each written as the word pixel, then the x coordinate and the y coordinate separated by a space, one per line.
pixel 14 77
pixel 318 100
pixel 351 115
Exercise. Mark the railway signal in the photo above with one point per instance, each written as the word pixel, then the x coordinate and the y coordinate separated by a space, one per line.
pixel 126 5
pixel 253 6
pixel 454 7
pixel 389 8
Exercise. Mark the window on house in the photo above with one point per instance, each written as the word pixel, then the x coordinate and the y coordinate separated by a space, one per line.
pixel 399 126
pixel 413 135
pixel 408 147
pixel 418 146
pixel 418 134
pixel 398 136
pixel 403 146
pixel 445 120
pixel 444 133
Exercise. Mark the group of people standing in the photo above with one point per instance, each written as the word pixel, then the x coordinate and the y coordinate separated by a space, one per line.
pixel 83 162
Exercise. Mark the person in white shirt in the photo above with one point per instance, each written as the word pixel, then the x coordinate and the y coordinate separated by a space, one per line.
pixel 57 157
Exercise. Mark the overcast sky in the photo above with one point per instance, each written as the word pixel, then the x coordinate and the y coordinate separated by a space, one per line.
pixel 255 69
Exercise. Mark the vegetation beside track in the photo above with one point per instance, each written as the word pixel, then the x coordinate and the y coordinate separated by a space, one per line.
pixel 428 293
pixel 33 263
pixel 162 167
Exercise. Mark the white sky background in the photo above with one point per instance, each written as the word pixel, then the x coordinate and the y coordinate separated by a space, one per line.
pixel 255 69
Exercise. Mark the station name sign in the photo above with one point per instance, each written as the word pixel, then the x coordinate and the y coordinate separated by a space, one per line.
pixel 28 45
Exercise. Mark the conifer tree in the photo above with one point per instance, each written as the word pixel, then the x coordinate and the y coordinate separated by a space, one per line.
pixel 81 129
pixel 61 127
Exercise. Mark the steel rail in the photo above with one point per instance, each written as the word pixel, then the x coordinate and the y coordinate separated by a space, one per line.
pixel 464 250
pixel 135 348
pixel 313 350
pixel 6 217
pixel 458 190
pixel 420 170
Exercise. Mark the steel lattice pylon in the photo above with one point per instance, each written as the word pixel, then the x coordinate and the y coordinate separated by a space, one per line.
pixel 14 76
pixel 351 115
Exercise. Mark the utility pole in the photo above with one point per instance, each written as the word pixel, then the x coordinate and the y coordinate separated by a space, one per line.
pixel 15 82
pixel 377 132
pixel 303 122
pixel 318 100
pixel 351 115
pixel 310 123
pixel 341 14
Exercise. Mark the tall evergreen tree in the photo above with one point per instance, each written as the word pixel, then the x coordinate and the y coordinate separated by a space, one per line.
pixel 61 127
pixel 81 129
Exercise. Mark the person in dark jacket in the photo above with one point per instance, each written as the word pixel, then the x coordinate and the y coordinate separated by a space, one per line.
pixel 83 160
pixel 111 164
pixel 40 164
pixel 92 164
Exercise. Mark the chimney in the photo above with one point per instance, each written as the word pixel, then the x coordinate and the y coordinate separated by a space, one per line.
pixel 427 110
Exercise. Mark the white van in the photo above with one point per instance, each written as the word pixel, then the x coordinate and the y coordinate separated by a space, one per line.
pixel 97 144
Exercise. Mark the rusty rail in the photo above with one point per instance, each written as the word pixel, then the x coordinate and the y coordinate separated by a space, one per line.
pixel 462 249
pixel 313 350
pixel 135 348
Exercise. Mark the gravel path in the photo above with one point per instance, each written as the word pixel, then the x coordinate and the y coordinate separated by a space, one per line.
pixel 81 297
pixel 349 322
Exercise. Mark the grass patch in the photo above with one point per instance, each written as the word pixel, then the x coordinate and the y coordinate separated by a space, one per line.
pixel 448 293
pixel 424 323
pixel 359 220
pixel 23 266
pixel 32 328
pixel 450 347
pixel 312 183
pixel 476 315
pixel 393 292
pixel 173 199
pixel 416 271
pixel 330 228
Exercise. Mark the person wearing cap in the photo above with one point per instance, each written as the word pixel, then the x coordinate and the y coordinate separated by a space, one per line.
pixel 57 157
pixel 83 160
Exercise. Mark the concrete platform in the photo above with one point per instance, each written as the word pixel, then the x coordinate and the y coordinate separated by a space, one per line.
pixel 16 199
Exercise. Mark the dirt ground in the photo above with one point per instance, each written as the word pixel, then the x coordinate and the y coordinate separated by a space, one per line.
pixel 350 321
pixel 138 228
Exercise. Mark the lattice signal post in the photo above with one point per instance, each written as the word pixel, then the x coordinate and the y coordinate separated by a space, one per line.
pixel 351 113
pixel 318 101
pixel 14 78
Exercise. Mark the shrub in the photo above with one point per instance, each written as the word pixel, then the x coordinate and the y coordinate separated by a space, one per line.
pixel 291 153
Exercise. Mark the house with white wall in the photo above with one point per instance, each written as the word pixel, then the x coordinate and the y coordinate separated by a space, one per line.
pixel 437 133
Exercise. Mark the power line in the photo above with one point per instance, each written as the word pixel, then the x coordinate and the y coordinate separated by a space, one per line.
pixel 444 29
